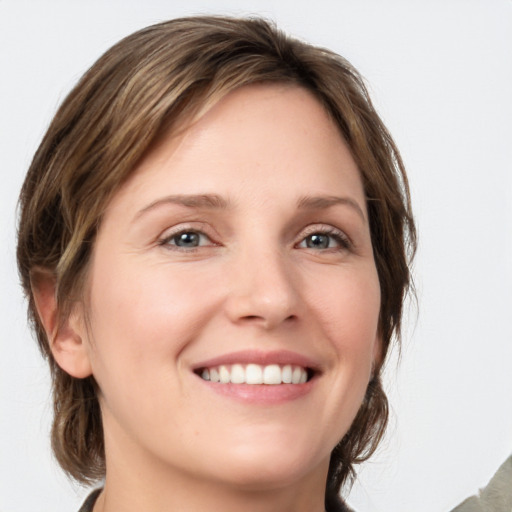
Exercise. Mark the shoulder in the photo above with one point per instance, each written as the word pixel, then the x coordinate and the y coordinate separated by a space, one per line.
pixel 496 497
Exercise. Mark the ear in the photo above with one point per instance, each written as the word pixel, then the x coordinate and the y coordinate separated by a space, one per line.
pixel 67 340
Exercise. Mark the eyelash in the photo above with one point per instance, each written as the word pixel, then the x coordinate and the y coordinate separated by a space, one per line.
pixel 341 240
pixel 166 241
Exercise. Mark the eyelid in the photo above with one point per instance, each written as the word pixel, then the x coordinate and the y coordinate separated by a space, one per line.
pixel 199 228
pixel 326 229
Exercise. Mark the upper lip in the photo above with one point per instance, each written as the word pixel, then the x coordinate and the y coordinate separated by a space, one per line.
pixel 280 357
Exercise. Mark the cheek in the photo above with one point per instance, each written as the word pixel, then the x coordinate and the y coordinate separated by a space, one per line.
pixel 140 321
pixel 147 312
pixel 347 313
pixel 348 309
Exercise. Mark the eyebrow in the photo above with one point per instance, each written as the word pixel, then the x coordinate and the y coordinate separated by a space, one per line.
pixel 216 202
pixel 324 202
pixel 204 201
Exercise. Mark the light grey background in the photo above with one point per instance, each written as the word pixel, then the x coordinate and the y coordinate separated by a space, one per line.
pixel 440 73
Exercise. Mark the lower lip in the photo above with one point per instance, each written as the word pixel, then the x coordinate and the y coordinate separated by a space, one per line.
pixel 264 394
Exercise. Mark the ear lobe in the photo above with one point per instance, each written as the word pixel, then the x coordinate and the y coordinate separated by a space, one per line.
pixel 66 339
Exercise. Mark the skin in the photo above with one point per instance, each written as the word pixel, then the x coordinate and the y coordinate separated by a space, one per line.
pixel 256 281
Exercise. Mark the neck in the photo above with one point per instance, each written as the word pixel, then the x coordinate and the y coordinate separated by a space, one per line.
pixel 203 497
pixel 137 482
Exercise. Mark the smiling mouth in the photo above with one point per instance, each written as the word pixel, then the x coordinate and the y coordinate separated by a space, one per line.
pixel 272 374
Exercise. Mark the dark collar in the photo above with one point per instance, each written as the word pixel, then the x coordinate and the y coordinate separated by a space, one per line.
pixel 90 501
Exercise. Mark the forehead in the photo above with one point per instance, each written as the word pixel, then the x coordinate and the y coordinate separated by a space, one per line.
pixel 255 135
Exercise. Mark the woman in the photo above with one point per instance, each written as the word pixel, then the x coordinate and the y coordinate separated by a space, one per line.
pixel 214 240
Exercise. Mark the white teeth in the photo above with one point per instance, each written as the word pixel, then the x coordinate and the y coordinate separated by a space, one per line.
pixel 286 374
pixel 253 374
pixel 214 375
pixel 296 375
pixel 224 374
pixel 272 374
pixel 237 374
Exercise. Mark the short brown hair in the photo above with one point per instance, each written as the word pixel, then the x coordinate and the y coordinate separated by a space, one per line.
pixel 134 93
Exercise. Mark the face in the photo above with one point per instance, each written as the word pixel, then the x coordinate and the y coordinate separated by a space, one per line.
pixel 233 299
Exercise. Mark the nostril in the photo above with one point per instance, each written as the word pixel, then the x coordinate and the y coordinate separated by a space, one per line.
pixel 252 317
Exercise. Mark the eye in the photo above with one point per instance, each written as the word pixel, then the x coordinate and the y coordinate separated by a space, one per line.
pixel 325 239
pixel 188 239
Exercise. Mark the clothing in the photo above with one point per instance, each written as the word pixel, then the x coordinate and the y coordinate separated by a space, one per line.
pixel 496 497
pixel 90 501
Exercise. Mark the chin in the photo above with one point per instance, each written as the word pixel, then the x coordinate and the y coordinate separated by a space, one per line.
pixel 258 469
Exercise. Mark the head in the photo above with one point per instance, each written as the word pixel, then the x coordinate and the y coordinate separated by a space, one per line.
pixel 153 85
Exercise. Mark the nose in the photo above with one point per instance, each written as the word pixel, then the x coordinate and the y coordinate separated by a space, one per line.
pixel 263 290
